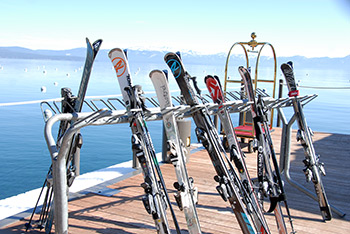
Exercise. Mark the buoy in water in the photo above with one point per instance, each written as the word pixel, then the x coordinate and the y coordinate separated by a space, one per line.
pixel 55 83
pixel 43 89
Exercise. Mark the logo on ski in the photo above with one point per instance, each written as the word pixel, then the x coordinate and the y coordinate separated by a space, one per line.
pixel 119 66
pixel 165 95
pixel 214 90
pixel 175 67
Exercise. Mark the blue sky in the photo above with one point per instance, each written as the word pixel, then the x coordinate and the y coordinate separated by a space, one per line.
pixel 312 28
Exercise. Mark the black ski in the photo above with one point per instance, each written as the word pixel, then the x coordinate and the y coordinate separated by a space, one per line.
pixel 269 178
pixel 236 154
pixel 156 197
pixel 313 167
pixel 70 104
pixel 208 136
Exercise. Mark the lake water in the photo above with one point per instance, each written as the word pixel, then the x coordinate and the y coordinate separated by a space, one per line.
pixel 25 159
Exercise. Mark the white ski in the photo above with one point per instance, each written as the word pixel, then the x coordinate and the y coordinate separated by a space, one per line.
pixel 156 197
pixel 186 196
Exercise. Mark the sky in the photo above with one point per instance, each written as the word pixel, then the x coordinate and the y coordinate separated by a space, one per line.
pixel 310 28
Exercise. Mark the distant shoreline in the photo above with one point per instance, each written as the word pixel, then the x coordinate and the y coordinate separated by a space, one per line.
pixel 152 56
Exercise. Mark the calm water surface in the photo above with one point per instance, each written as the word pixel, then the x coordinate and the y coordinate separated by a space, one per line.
pixel 25 159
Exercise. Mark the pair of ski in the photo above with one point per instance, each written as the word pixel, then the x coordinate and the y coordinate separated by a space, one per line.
pixel 156 198
pixel 70 104
pixel 238 191
pixel 313 167
pixel 269 176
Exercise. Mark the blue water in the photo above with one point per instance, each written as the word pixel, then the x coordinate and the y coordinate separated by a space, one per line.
pixel 25 159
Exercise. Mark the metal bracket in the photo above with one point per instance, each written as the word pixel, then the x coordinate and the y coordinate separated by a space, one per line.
pixel 285 155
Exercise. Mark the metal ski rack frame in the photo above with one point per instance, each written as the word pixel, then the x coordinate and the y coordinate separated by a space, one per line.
pixel 109 114
pixel 285 145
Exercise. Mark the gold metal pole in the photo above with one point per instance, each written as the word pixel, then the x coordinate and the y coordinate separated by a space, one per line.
pixel 227 60
pixel 253 44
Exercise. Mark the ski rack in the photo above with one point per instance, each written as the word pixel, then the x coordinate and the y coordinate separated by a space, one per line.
pixel 110 115
pixel 234 104
pixel 59 151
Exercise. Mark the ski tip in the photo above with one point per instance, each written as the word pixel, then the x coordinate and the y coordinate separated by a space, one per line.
pixel 97 43
pixel 242 69
pixel 170 54
pixel 208 77
pixel 126 53
pixel 287 65
pixel 178 54
pixel 217 79
pixel 155 72
pixel 166 73
pixel 112 51
pixel 96 46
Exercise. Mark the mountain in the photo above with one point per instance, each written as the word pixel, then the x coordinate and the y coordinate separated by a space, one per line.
pixel 152 56
pixel 24 53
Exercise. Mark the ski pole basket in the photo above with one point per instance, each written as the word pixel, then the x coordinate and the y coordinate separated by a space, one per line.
pixel 252 50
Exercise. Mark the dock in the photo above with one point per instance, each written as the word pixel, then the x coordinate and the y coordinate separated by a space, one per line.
pixel 120 210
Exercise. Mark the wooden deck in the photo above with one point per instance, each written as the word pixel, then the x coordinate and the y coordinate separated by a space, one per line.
pixel 124 211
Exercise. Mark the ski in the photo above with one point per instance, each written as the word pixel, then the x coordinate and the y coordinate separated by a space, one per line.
pixel 90 58
pixel 156 197
pixel 70 104
pixel 208 136
pixel 236 154
pixel 186 196
pixel 269 178
pixel 313 167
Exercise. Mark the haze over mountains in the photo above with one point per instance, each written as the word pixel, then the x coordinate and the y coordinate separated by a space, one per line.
pixel 151 56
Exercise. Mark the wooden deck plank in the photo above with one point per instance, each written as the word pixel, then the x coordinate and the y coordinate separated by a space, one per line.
pixel 124 212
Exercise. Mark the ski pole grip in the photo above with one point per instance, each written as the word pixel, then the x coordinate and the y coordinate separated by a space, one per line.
pixel 195 84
